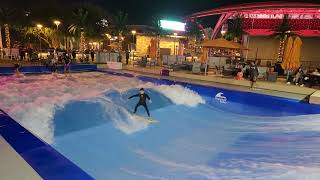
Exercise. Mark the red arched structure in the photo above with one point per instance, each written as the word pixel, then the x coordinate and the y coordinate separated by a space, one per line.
pixel 304 17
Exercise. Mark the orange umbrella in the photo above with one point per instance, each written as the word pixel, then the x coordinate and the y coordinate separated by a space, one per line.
pixel 287 53
pixel 292 54
pixel 296 53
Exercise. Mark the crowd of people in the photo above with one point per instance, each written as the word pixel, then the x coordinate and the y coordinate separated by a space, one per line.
pixel 303 77
pixel 300 77
pixel 54 58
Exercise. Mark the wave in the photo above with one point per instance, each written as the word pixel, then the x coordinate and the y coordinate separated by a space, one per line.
pixel 34 100
pixel 120 116
pixel 178 94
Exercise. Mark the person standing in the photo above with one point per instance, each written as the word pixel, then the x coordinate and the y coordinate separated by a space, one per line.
pixel 74 54
pixel 127 57
pixel 253 72
pixel 142 101
pixel 92 55
pixel 67 64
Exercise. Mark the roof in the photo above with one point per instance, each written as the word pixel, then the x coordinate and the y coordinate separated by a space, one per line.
pixel 222 43
pixel 264 7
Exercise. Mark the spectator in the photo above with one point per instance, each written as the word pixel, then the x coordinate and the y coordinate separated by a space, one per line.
pixel 316 72
pixel 30 53
pixel 92 55
pixel 74 54
pixel 253 72
pixel 298 79
pixel 127 56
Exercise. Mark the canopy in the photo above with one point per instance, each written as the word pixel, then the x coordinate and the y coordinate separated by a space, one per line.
pixel 222 43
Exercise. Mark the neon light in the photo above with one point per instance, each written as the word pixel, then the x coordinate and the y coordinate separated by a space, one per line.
pixel 172 25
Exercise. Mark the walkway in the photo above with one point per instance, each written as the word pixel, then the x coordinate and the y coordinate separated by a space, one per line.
pixel 280 89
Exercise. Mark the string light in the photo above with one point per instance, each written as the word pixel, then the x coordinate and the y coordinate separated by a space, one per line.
pixel 82 41
pixel 6 29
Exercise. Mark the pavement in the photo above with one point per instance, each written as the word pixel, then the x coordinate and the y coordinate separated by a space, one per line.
pixel 13 166
pixel 280 88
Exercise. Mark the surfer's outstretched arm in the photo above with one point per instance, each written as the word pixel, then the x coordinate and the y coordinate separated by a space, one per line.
pixel 133 96
pixel 148 97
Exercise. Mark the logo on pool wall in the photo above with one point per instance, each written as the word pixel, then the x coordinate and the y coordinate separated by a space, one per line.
pixel 221 98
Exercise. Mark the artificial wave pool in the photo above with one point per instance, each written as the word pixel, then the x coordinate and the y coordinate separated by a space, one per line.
pixel 202 133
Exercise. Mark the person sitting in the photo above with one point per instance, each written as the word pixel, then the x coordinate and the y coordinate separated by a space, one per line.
pixel 316 72
pixel 17 70
pixel 298 79
pixel 239 75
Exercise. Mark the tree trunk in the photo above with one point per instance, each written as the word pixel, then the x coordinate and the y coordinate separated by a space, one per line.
pixel 281 49
pixel 82 43
pixel 7 34
pixel 1 45
pixel 158 50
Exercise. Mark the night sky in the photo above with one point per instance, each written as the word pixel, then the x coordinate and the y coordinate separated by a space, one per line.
pixel 140 11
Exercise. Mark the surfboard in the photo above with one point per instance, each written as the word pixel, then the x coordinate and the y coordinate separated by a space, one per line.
pixel 144 119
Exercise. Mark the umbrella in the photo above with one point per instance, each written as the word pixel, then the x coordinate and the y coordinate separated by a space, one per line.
pixel 287 53
pixel 292 55
pixel 296 53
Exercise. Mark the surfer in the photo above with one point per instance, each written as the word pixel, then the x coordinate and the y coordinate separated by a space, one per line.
pixel 142 100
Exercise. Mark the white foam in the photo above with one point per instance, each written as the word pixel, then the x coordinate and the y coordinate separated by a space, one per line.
pixel 178 94
pixel 122 119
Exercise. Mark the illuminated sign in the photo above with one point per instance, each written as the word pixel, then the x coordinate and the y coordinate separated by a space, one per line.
pixel 172 25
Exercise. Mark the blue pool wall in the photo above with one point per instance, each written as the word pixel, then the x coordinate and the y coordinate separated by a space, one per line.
pixel 48 69
pixel 44 159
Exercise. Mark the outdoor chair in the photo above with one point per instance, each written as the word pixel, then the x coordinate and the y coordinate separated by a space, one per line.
pixel 196 67
pixel 272 76
pixel 152 62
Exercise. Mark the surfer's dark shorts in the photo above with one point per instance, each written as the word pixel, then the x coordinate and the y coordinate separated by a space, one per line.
pixel 253 78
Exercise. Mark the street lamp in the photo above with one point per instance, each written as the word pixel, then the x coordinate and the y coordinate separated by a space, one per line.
pixel 57 23
pixel 174 36
pixel 133 43
pixel 39 26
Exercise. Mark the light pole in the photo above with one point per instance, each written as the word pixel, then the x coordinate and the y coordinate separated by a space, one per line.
pixel 174 36
pixel 57 23
pixel 39 26
pixel 133 34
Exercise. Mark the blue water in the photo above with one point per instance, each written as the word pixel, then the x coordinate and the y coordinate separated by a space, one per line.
pixel 247 137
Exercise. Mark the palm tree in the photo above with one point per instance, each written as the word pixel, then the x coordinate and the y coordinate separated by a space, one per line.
pixel 6 18
pixel 80 16
pixel 119 23
pixel 193 30
pixel 235 30
pixel 159 32
pixel 46 34
pixel 282 33
pixel 119 27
